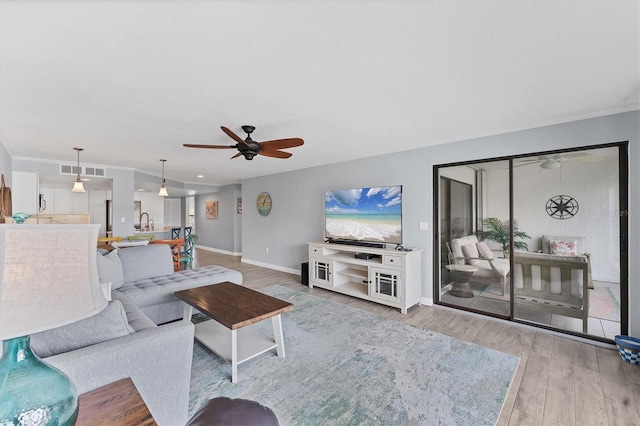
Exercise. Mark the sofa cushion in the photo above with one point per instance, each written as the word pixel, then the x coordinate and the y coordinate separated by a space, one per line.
pixel 581 243
pixel 109 324
pixel 147 262
pixel 484 250
pixel 563 248
pixel 160 289
pixel 456 247
pixel 137 319
pixel 471 251
pixel 110 269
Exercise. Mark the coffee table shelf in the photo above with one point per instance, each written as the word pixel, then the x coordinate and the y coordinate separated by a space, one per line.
pixel 217 337
pixel 233 309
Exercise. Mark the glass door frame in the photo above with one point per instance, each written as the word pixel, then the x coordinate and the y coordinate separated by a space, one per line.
pixel 623 212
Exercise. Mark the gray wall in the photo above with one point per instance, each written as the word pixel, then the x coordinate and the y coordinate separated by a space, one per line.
pixel 222 234
pixel 297 216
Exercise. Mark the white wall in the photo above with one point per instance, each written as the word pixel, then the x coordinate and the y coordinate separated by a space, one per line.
pixel 593 184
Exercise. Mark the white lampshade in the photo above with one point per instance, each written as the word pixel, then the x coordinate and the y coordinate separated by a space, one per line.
pixel 78 186
pixel 48 277
pixel 163 190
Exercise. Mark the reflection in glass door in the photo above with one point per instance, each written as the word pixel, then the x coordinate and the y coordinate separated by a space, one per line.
pixel 474 267
pixel 569 278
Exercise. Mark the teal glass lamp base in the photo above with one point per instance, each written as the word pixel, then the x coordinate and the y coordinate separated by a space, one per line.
pixel 20 217
pixel 33 392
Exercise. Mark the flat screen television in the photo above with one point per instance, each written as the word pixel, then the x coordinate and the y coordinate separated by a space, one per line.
pixel 364 215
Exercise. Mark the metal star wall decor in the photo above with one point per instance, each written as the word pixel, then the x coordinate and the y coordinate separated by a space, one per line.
pixel 562 207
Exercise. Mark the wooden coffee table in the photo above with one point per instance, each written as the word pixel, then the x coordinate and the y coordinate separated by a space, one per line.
pixel 233 308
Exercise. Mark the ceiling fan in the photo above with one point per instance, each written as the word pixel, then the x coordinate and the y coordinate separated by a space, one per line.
pixel 250 148
pixel 551 161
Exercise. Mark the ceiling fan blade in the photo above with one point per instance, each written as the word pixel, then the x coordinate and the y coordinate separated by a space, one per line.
pixel 234 136
pixel 274 154
pixel 281 143
pixel 237 155
pixel 190 145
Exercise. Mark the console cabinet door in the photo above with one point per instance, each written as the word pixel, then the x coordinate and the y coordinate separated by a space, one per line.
pixel 386 284
pixel 320 271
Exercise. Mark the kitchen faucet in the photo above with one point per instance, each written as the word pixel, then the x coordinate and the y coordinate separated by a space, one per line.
pixel 142 214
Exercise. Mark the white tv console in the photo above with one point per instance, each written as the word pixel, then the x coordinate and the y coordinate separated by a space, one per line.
pixel 390 277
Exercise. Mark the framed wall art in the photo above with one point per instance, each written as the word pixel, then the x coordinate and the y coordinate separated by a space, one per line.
pixel 211 208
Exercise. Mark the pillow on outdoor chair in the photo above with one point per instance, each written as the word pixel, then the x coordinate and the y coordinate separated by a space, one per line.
pixel 471 250
pixel 484 250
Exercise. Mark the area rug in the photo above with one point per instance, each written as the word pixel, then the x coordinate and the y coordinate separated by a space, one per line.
pixel 603 304
pixel 345 366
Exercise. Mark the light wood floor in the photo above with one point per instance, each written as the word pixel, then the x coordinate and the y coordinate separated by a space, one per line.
pixel 559 381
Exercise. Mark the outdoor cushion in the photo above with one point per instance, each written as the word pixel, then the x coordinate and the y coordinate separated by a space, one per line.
pixel 563 248
pixel 484 250
pixel 471 251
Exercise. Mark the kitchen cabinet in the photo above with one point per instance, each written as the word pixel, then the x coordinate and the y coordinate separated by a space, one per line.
pixel 24 192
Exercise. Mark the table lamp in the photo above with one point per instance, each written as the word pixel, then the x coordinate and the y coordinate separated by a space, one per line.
pixel 48 278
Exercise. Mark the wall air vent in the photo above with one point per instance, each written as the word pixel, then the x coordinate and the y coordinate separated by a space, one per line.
pixel 94 171
pixel 68 169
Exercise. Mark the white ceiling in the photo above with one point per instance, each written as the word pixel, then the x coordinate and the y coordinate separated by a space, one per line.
pixel 131 81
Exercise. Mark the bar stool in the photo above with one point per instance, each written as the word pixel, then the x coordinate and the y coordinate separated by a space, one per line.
pixel 175 233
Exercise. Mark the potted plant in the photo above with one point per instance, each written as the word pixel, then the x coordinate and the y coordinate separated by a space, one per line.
pixel 498 231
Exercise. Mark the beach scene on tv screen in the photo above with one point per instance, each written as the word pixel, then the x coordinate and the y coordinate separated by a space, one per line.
pixel 364 214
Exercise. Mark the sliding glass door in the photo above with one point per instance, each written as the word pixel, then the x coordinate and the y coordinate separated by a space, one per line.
pixel 537 239
pixel 569 203
pixel 472 197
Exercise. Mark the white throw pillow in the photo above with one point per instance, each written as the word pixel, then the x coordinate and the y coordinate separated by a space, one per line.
pixel 110 269
pixel 563 248
pixel 484 250
pixel 470 250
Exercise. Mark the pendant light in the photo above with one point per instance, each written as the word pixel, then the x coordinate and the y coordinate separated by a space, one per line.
pixel 78 186
pixel 163 188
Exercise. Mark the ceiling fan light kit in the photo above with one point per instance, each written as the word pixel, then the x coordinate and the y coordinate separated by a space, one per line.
pixel 78 186
pixel 550 164
pixel 248 148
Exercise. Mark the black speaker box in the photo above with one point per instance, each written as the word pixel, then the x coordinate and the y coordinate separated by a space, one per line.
pixel 304 274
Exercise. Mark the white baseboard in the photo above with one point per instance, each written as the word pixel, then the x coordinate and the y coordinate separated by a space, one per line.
pixel 219 251
pixel 270 266
pixel 427 301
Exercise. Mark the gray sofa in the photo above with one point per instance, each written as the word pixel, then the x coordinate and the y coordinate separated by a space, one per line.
pixel 126 340
pixel 149 280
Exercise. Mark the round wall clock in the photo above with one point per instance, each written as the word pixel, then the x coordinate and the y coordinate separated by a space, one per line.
pixel 562 207
pixel 263 203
